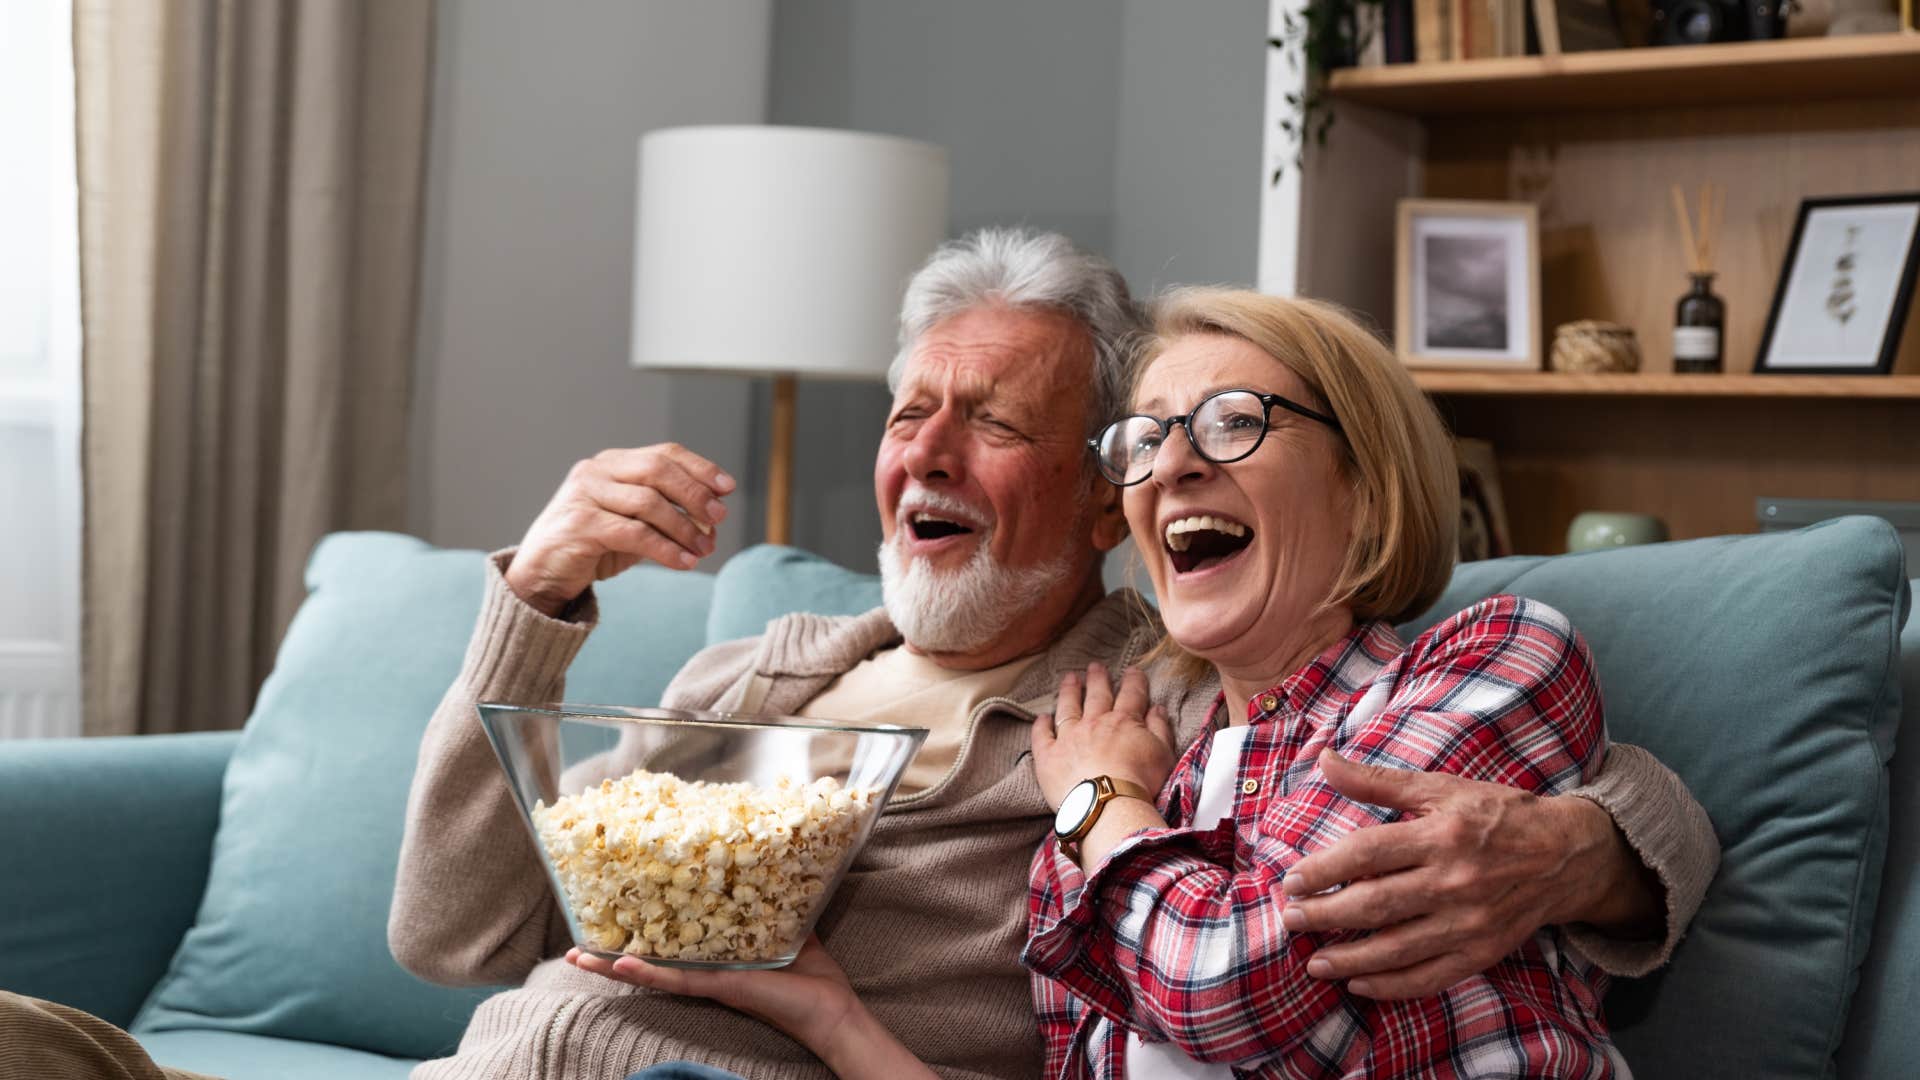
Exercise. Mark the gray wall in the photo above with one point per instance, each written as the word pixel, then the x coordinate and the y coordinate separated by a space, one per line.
pixel 1133 128
pixel 528 249
pixel 1186 173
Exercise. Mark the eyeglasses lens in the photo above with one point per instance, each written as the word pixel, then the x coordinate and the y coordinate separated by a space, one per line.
pixel 1228 426
pixel 1127 452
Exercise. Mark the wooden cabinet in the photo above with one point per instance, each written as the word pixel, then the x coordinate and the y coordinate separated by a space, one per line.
pixel 1595 140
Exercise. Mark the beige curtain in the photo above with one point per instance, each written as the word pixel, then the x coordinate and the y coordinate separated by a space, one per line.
pixel 250 192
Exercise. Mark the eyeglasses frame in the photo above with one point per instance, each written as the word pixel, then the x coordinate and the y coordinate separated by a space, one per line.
pixel 1185 420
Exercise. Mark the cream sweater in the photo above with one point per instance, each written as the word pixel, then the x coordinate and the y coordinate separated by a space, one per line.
pixel 928 924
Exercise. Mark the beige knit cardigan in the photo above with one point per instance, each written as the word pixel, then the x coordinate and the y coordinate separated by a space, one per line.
pixel 928 924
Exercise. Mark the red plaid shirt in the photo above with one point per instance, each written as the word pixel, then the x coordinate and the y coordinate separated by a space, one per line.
pixel 1177 935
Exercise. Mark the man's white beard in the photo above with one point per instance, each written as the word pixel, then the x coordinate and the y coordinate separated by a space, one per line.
pixel 961 610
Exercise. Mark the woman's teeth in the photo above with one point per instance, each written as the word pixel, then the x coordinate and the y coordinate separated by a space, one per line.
pixel 1178 531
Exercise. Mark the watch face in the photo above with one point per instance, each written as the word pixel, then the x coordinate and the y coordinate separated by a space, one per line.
pixel 1074 808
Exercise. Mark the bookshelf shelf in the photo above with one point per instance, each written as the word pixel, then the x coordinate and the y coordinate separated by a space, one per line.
pixel 1735 73
pixel 1560 384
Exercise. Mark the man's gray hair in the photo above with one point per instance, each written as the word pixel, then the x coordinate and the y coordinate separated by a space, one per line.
pixel 1024 268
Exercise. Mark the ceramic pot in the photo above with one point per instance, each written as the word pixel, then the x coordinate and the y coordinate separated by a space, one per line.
pixel 1596 529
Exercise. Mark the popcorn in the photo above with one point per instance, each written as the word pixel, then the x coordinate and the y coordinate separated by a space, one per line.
pixel 657 866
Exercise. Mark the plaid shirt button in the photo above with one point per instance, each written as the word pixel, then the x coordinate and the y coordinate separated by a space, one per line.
pixel 1269 703
pixel 1250 786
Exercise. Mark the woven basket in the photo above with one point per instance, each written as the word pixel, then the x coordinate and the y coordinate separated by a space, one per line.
pixel 1594 346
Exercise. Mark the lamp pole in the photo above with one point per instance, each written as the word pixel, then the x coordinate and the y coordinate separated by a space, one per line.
pixel 780 467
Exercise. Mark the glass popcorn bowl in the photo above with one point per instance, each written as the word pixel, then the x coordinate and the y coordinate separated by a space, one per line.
pixel 695 839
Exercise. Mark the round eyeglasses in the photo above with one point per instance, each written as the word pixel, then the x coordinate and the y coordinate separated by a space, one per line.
pixel 1223 429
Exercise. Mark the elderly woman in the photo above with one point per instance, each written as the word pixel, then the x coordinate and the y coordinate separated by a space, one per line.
pixel 1306 503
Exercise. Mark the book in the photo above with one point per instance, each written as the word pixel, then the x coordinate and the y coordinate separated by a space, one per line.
pixel 1546 18
pixel 1397 20
pixel 1481 30
pixel 1431 30
pixel 1513 27
pixel 1370 33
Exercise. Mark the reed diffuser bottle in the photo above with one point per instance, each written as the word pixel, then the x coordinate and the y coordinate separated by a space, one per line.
pixel 1700 318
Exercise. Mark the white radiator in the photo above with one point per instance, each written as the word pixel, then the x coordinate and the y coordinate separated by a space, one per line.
pixel 37 691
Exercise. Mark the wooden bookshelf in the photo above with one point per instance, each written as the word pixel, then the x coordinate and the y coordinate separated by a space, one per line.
pixel 1594 141
pixel 1735 73
pixel 1560 384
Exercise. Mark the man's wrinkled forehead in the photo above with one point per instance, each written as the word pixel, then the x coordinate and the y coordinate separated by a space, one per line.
pixel 967 383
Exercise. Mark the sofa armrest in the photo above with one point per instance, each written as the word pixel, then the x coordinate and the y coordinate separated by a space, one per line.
pixel 106 846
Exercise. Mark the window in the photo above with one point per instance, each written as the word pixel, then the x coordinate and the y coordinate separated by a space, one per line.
pixel 39 374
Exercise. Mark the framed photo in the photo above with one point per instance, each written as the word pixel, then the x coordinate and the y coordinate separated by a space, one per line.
pixel 1844 292
pixel 1483 513
pixel 1467 285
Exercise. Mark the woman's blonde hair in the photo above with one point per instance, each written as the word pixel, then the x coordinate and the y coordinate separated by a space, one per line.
pixel 1398 456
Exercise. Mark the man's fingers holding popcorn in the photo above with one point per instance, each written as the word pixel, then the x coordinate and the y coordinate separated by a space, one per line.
pixel 656 502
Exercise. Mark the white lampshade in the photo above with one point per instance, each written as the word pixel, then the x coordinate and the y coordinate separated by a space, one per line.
pixel 780 250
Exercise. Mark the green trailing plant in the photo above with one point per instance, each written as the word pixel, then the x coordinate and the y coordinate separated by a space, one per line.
pixel 1321 37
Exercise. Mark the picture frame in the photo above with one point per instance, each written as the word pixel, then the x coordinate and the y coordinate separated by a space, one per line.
pixel 1467 285
pixel 1483 511
pixel 1845 289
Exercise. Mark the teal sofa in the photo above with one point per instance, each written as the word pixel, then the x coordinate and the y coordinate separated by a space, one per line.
pixel 224 895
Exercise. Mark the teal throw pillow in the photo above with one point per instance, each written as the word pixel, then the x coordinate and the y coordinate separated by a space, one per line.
pixel 763 583
pixel 1762 670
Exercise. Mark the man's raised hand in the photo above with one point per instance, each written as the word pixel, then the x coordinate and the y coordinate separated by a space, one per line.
pixel 614 509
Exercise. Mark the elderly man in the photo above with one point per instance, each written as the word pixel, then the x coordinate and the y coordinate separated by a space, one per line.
pixel 995 523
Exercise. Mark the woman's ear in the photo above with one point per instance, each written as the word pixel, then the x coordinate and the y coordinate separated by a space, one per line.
pixel 1109 517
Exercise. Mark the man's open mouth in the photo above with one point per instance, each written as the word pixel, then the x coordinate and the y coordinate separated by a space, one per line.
pixel 1203 540
pixel 926 526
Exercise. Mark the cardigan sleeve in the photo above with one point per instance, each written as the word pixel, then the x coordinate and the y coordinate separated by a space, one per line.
pixel 471 905
pixel 1673 837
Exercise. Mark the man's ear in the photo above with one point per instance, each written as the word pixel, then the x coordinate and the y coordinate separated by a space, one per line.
pixel 1109 519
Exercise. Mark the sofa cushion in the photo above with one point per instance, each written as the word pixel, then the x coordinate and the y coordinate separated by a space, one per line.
pixel 765 582
pixel 1761 669
pixel 133 820
pixel 1882 1038
pixel 290 939
pixel 234 1055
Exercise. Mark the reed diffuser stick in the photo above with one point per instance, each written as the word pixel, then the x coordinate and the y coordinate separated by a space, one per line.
pixel 1686 229
pixel 1713 201
pixel 1719 218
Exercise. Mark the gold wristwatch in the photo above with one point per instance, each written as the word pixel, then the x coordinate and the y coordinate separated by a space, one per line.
pixel 1084 802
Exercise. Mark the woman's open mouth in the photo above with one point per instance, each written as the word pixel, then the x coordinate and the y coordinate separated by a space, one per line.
pixel 1203 541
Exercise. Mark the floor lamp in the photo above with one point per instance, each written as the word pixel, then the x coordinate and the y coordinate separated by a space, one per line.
pixel 779 251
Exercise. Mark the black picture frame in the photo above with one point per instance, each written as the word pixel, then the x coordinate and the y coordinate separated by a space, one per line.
pixel 1890 333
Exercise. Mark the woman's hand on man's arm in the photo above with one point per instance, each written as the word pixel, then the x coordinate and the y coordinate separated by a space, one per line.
pixel 809 999
pixel 1472 872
